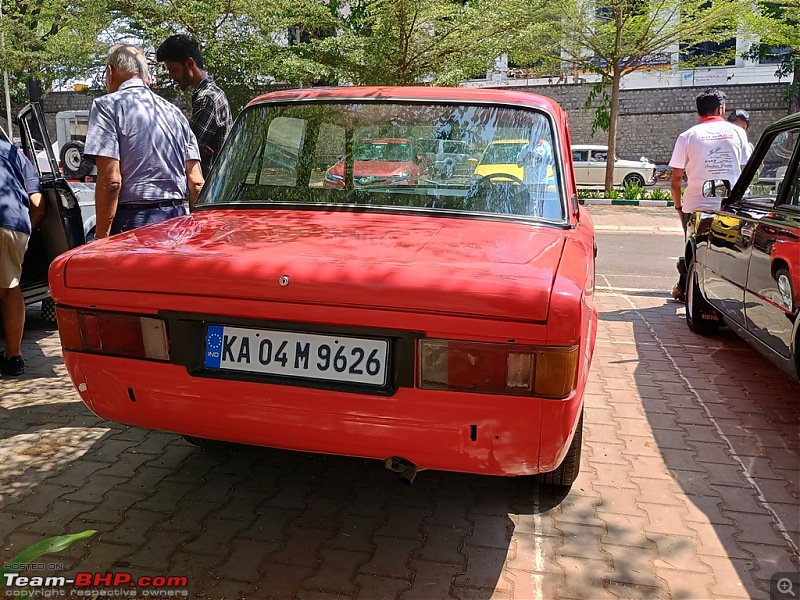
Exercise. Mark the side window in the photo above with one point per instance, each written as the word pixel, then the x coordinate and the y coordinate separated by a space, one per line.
pixel 579 155
pixel 279 159
pixel 773 169
pixel 599 156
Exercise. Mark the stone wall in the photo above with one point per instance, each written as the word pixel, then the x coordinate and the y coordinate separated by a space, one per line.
pixel 651 120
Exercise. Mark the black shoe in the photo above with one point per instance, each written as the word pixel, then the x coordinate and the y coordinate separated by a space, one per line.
pixel 13 366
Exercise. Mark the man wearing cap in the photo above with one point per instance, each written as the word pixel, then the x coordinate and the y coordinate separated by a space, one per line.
pixel 147 158
pixel 712 149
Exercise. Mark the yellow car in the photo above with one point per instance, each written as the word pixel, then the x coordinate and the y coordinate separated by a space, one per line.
pixel 501 158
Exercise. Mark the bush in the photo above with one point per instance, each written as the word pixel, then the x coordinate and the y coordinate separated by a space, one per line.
pixel 612 194
pixel 631 191
pixel 660 194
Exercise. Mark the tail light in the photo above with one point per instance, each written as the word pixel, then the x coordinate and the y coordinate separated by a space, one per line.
pixel 114 334
pixel 510 369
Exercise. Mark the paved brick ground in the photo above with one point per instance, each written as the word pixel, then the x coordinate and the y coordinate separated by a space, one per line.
pixel 688 489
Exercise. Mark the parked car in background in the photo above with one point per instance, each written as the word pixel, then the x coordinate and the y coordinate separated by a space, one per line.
pixel 501 161
pixel 71 128
pixel 590 168
pixel 500 158
pixel 744 259
pixel 380 162
pixel 446 156
pixel 429 324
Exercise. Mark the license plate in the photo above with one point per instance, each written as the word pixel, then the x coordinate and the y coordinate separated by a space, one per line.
pixel 297 354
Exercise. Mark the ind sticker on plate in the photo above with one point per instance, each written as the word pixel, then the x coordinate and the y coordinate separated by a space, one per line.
pixel 297 354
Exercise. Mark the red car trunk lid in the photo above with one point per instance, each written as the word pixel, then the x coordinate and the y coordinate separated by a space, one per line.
pixel 375 260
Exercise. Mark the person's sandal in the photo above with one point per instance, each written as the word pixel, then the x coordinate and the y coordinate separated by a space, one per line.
pixel 677 294
pixel 12 366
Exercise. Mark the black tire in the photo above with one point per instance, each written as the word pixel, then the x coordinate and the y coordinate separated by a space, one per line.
pixel 701 317
pixel 634 179
pixel 73 161
pixel 92 235
pixel 49 311
pixel 567 472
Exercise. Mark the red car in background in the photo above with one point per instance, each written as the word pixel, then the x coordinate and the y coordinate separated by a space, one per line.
pixel 385 161
pixel 445 325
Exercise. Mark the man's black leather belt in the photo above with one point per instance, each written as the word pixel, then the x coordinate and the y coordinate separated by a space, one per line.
pixel 141 205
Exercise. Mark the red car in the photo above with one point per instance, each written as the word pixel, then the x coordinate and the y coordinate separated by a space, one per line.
pixel 386 161
pixel 440 326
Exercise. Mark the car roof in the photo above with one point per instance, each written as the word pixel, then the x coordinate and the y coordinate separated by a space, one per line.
pixel 588 147
pixel 432 93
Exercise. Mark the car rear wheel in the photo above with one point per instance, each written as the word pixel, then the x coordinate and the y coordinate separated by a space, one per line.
pixel 701 317
pixel 567 472
pixel 49 311
pixel 634 179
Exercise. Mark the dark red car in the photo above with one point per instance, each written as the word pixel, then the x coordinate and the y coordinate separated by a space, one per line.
pixel 445 325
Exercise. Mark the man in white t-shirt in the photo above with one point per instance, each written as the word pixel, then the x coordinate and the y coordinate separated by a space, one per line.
pixel 712 149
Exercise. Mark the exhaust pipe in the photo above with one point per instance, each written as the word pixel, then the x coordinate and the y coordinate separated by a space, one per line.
pixel 407 469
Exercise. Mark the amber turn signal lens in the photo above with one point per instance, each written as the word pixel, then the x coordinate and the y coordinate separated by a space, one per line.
pixel 487 368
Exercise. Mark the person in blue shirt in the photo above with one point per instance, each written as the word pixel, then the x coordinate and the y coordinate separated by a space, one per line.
pixel 21 209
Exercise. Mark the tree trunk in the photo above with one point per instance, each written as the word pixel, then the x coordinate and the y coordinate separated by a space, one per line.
pixel 616 77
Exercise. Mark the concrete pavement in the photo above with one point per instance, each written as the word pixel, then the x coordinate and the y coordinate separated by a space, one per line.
pixel 688 488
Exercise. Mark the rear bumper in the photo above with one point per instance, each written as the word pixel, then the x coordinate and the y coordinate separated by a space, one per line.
pixel 492 435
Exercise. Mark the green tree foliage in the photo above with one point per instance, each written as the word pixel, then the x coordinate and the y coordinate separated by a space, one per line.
pixel 777 24
pixel 51 41
pixel 614 38
pixel 403 42
pixel 241 40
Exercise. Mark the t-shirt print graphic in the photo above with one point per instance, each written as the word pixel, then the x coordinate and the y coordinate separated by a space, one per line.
pixel 719 161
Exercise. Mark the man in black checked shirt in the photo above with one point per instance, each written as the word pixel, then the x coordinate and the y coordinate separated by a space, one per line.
pixel 211 114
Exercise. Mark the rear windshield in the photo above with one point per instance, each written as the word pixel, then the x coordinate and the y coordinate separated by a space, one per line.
pixel 378 154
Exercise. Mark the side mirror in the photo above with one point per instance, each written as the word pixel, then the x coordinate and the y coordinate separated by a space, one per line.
pixel 716 188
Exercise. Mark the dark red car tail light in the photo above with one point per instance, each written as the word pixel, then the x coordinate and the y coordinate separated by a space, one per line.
pixel 115 334
pixel 484 368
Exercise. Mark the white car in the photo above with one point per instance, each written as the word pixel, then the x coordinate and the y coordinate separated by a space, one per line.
pixel 590 168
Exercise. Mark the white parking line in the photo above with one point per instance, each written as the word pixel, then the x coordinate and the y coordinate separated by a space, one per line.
pixel 537 577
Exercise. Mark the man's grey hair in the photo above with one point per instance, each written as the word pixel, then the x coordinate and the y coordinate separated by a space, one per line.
pixel 129 59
